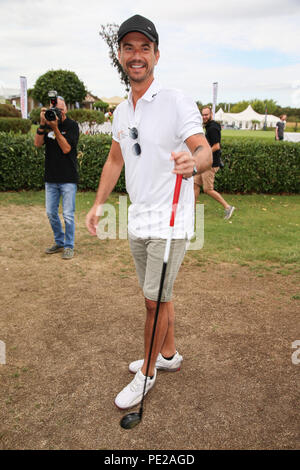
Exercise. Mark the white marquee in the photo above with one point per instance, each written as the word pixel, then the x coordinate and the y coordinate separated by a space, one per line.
pixel 244 119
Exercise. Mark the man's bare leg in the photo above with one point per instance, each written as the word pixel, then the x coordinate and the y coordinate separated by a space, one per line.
pixel 162 335
pixel 215 195
pixel 168 348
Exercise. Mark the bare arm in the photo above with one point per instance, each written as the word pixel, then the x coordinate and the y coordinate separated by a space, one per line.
pixel 109 177
pixel 60 139
pixel 201 156
pixel 39 139
pixel 215 147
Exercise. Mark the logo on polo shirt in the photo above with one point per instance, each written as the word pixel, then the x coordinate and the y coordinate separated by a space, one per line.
pixel 122 135
pixel 51 135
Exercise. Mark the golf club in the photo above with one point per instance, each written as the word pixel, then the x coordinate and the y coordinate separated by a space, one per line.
pixel 130 420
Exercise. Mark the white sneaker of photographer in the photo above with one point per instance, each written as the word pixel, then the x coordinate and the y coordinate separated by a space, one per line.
pixel 132 394
pixel 172 365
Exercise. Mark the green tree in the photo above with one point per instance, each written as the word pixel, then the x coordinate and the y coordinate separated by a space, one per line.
pixel 109 34
pixel 66 83
pixel 271 106
pixel 260 106
pixel 239 107
pixel 101 105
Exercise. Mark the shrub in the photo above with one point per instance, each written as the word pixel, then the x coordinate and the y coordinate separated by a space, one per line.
pixel 21 164
pixel 88 119
pixel 292 129
pixel 86 115
pixel 79 115
pixel 15 125
pixel 250 165
pixel 259 166
pixel 93 152
pixel 8 110
pixel 35 115
pixel 101 105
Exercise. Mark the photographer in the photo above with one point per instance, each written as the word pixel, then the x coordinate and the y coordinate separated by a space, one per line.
pixel 60 136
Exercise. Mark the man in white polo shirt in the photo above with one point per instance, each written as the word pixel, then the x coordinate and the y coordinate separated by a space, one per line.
pixel 157 133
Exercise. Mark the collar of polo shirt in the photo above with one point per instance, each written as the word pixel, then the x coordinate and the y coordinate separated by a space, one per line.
pixel 150 94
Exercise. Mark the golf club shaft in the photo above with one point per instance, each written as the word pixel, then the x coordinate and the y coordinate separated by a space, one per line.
pixel 162 278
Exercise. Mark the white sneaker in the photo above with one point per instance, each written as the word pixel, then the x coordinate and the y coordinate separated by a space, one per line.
pixel 161 364
pixel 132 394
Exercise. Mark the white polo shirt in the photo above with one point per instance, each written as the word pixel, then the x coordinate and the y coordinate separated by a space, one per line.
pixel 164 118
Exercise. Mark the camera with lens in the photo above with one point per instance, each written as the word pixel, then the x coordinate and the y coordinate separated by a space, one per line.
pixel 53 112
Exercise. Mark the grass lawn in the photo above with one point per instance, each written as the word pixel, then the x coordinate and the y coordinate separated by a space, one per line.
pixel 264 230
pixel 269 135
pixel 71 328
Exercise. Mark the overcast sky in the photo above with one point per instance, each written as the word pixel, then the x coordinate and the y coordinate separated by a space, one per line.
pixel 250 48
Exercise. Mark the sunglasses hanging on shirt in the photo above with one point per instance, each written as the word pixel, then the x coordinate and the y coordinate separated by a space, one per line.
pixel 133 133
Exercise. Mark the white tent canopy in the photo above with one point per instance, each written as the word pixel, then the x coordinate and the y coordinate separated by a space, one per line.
pixel 244 119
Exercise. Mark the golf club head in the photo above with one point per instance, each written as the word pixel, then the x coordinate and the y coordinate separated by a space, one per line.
pixel 130 420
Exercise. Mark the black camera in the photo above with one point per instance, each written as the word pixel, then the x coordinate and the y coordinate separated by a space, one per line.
pixel 53 112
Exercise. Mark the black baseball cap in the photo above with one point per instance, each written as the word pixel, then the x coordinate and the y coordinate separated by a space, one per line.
pixel 141 25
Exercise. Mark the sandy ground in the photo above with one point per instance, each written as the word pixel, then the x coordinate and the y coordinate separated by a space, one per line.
pixel 71 328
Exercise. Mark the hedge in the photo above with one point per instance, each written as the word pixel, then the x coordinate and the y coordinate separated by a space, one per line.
pixel 79 115
pixel 35 115
pixel 86 115
pixel 22 164
pixel 92 154
pixel 256 166
pixel 8 110
pixel 15 125
pixel 250 165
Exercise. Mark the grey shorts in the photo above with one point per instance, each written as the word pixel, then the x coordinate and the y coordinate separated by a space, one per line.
pixel 148 254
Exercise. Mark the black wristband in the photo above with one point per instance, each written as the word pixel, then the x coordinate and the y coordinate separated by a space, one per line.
pixel 42 126
pixel 40 132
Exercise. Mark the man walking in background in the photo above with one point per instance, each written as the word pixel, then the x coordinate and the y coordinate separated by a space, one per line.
pixel 279 131
pixel 206 179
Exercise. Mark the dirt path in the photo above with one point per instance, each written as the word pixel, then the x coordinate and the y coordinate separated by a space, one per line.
pixel 72 327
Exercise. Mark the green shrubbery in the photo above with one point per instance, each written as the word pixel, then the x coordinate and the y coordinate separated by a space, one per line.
pixel 93 151
pixel 86 115
pixel 101 105
pixel 11 120
pixel 292 129
pixel 35 115
pixel 14 124
pixel 8 110
pixel 251 166
pixel 90 117
pixel 21 164
pixel 259 166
